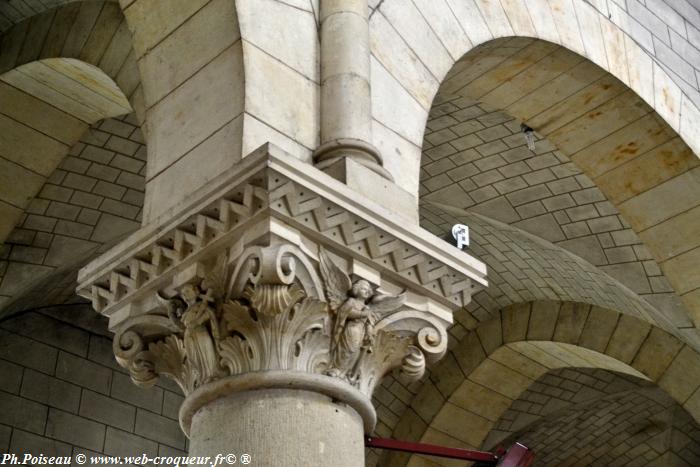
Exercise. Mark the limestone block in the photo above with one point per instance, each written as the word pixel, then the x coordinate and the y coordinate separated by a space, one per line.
pixel 394 107
pixel 106 410
pixel 159 428
pixel 221 151
pixel 296 41
pixel 570 323
pixel 428 401
pixel 49 331
pixel 18 194
pixel 461 424
pixel 690 124
pixel 176 124
pixel 623 145
pixel 79 33
pixel 28 353
pixel 656 353
pixel 83 373
pixel 495 18
pixel 593 41
pixel 692 405
pixel 24 442
pixel 281 97
pixel 125 390
pixel 117 51
pixel 598 329
pixel 12 377
pixel 447 375
pixel 647 171
pixel 442 20
pixel 410 24
pixel 10 215
pixel 256 133
pixel 120 443
pixel 171 404
pixel 22 413
pixel 35 113
pixel 472 22
pixel 500 378
pixel 543 20
pixel 75 430
pixel 567 23
pixel 402 63
pixel 469 353
pixel 667 97
pixel 514 320
pixel 614 42
pixel 627 338
pixel 682 271
pixel 102 32
pixel 519 17
pixel 190 47
pixel 675 235
pixel 516 361
pixel 682 377
pixel 543 319
pixel 537 354
pixel 490 335
pixel 151 20
pixel 401 157
pixel 480 400
pixel 30 148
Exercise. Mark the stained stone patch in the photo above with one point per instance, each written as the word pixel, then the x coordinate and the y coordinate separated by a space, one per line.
pixel 541 192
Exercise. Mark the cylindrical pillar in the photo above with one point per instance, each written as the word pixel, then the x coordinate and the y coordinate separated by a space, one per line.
pixel 278 427
pixel 346 114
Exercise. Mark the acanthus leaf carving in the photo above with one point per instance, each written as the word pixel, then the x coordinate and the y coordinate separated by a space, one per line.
pixel 256 312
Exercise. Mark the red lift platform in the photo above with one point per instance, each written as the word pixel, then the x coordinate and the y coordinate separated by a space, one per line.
pixel 516 456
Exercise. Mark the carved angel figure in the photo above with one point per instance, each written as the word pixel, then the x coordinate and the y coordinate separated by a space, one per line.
pixel 196 317
pixel 356 309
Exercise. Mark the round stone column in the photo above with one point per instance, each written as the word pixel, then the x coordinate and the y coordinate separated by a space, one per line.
pixel 279 418
pixel 280 427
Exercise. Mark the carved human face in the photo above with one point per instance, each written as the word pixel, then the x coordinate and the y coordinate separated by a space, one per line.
pixel 362 290
pixel 189 294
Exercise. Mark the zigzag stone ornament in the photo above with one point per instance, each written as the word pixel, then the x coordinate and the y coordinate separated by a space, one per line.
pixel 276 280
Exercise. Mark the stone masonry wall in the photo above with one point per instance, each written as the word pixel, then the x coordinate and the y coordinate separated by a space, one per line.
pixel 62 393
pixel 92 198
pixel 597 417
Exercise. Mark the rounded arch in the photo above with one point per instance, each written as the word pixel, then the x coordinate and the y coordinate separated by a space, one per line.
pixel 576 78
pixel 501 358
pixel 60 71
pixel 414 48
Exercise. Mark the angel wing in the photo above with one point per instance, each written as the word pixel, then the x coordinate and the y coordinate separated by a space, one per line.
pixel 215 281
pixel 336 282
pixel 381 303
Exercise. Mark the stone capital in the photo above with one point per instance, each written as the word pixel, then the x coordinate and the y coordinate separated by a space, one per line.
pixel 279 276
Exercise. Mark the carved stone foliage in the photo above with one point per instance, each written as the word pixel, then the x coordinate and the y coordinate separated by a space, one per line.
pixel 273 308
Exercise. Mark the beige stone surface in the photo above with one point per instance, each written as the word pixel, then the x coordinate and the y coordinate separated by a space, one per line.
pixel 205 35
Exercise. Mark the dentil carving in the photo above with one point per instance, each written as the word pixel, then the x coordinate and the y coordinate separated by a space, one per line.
pixel 269 309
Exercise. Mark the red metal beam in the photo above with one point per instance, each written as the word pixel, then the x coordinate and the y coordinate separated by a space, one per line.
pixel 486 458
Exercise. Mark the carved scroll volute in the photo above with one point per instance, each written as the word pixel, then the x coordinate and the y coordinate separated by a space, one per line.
pixel 270 310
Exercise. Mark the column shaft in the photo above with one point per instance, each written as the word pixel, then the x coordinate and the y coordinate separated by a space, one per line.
pixel 280 427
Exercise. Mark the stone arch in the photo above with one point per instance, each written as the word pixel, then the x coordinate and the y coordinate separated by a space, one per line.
pixel 502 357
pixel 414 47
pixel 617 115
pixel 60 71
